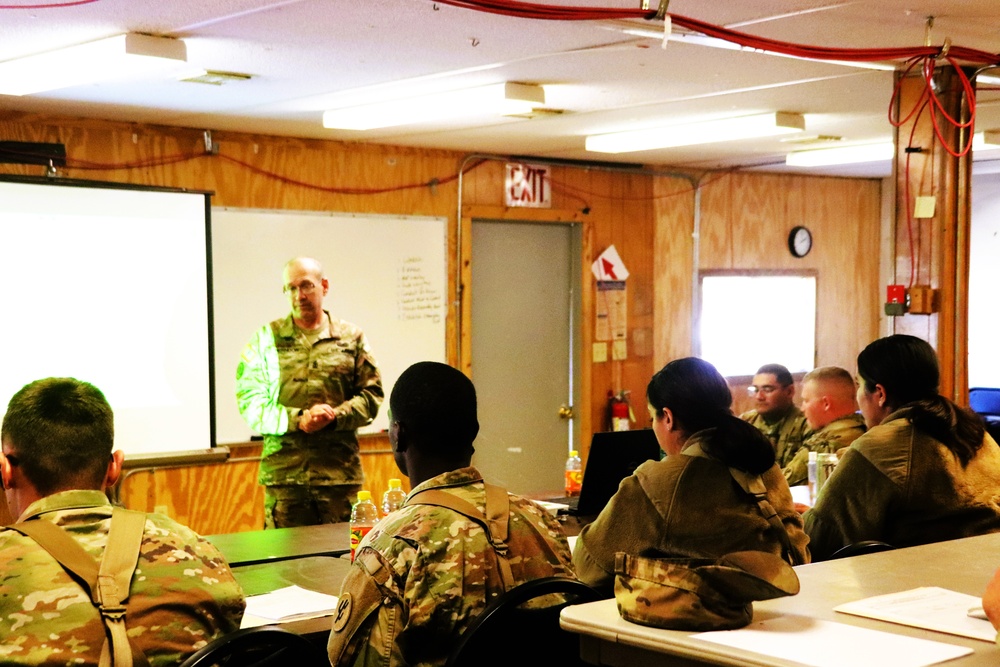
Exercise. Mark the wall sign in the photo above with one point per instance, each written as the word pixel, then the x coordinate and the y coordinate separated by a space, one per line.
pixel 527 185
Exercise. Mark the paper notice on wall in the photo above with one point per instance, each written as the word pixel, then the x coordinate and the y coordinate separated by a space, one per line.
pixel 609 266
pixel 611 310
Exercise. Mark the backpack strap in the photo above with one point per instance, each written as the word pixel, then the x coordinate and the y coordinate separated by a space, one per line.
pixel 494 521
pixel 754 486
pixel 108 582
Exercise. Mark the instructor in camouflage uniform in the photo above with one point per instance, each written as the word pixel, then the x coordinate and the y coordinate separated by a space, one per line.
pixel 776 416
pixel 436 566
pixel 56 464
pixel 306 382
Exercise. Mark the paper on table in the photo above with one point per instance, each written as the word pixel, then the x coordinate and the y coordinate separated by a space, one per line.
pixel 817 643
pixel 930 608
pixel 290 603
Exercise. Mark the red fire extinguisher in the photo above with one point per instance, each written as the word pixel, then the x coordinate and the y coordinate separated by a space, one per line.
pixel 621 411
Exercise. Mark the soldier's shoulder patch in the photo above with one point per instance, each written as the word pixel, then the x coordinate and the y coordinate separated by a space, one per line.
pixel 343 615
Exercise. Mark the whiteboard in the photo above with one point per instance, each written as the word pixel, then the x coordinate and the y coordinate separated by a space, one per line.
pixel 387 275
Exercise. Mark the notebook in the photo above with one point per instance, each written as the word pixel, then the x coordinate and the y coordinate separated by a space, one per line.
pixel 614 455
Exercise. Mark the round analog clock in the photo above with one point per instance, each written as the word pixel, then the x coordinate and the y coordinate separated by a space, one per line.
pixel 800 241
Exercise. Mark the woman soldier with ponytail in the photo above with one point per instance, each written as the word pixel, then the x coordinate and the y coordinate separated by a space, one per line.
pixel 926 471
pixel 696 502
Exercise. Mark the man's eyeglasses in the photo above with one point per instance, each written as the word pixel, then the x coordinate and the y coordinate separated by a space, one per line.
pixel 305 287
pixel 765 390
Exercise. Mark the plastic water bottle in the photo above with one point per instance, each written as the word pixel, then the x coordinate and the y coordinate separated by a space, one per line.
pixel 364 516
pixel 393 498
pixel 574 474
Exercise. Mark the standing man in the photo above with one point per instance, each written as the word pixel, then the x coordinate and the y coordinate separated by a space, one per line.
pixel 57 462
pixel 776 415
pixel 829 403
pixel 306 382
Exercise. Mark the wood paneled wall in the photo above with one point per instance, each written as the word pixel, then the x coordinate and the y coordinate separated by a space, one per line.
pixel 648 217
pixel 745 220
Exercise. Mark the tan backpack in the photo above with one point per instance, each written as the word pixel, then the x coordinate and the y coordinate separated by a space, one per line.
pixel 107 581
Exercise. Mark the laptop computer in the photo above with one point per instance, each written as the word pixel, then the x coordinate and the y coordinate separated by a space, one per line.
pixel 614 455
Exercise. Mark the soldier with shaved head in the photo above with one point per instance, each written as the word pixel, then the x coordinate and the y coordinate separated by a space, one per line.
pixel 830 406
pixel 307 382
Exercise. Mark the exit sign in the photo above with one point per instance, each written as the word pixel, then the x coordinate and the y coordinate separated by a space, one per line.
pixel 527 185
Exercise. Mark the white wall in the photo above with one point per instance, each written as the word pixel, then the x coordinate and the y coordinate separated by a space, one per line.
pixel 984 281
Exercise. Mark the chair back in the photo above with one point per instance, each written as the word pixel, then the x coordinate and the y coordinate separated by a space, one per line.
pixel 507 632
pixel 263 646
pixel 985 401
pixel 860 548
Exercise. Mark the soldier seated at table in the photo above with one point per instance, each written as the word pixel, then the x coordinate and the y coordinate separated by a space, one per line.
pixel 429 568
pixel 56 464
pixel 775 414
pixel 830 405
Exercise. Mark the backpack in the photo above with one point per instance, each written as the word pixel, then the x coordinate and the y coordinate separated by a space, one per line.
pixel 366 590
pixel 107 581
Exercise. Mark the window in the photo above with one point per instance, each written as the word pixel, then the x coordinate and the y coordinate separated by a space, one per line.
pixel 748 319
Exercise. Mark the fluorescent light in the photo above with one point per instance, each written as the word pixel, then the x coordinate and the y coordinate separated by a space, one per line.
pixel 880 152
pixel 986 141
pixel 842 155
pixel 706 132
pixel 502 99
pixel 122 56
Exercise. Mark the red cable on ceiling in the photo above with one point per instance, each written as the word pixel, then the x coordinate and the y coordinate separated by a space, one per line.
pixel 53 5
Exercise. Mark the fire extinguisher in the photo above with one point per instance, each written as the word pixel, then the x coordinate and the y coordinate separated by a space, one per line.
pixel 621 411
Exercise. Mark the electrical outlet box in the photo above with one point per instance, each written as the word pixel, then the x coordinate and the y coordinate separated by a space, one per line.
pixel 922 300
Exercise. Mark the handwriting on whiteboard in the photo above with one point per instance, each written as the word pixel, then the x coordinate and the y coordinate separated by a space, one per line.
pixel 417 295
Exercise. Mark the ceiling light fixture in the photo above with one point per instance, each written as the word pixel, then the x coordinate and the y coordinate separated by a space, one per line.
pixel 705 132
pixel 119 57
pixel 502 99
pixel 823 157
pixel 878 152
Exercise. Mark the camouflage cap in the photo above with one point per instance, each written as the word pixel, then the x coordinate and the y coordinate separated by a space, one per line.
pixel 699 593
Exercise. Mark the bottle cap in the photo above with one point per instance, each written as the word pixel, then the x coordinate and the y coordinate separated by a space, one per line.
pixel 364 495
pixel 573 453
pixel 395 483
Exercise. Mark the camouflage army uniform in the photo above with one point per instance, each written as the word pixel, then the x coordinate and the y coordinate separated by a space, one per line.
pixel 281 374
pixel 182 596
pixel 838 434
pixel 786 434
pixel 442 568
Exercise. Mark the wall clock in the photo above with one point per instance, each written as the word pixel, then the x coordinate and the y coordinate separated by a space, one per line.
pixel 800 241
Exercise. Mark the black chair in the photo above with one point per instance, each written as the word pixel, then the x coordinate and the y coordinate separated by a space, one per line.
pixel 263 646
pixel 507 633
pixel 860 548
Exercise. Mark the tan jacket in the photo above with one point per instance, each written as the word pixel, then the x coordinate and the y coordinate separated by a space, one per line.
pixel 899 485
pixel 685 506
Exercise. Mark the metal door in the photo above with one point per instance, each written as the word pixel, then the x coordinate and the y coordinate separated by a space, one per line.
pixel 525 351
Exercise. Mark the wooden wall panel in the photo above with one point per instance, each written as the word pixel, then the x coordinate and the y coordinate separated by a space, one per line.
pixel 210 499
pixel 648 217
pixel 673 260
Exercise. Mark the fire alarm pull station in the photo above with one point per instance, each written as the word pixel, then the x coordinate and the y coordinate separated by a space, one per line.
pixel 895 300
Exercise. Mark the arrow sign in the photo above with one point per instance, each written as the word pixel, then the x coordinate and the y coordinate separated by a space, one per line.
pixel 609 266
pixel 609 269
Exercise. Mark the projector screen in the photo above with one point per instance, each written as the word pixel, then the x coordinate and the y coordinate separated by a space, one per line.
pixel 110 284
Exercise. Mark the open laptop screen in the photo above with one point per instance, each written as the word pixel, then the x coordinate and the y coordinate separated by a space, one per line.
pixel 614 455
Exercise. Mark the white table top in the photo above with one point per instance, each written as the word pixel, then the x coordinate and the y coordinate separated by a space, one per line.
pixel 961 565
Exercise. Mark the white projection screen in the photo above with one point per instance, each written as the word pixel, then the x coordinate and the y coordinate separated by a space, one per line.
pixel 110 284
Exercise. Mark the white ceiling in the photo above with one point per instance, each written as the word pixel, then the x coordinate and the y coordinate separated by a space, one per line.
pixel 304 55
